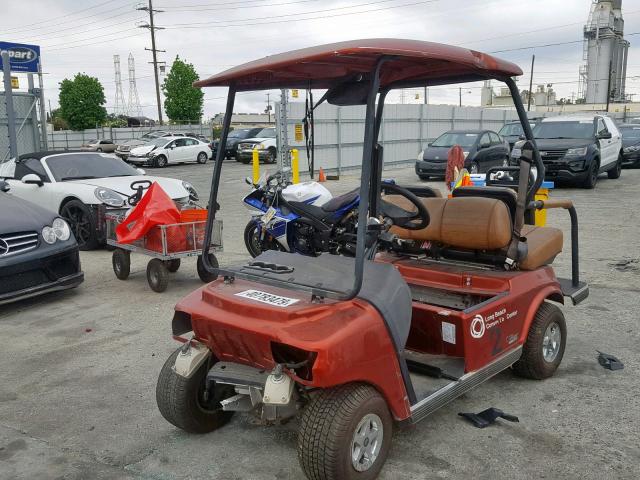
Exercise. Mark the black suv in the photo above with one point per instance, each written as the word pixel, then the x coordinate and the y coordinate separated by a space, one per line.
pixel 235 137
pixel 482 149
pixel 630 144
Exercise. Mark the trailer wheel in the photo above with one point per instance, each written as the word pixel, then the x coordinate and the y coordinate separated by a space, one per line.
pixel 345 434
pixel 204 275
pixel 157 275
pixel 544 347
pixel 173 265
pixel 182 402
pixel 121 262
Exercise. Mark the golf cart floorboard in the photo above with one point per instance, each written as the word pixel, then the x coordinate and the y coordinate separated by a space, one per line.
pixel 429 373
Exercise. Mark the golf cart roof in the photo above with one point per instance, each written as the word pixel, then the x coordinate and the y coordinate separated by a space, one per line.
pixel 415 63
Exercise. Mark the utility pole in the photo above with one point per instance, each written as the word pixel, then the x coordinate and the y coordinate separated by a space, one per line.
pixel 460 96
pixel 426 95
pixel 269 107
pixel 609 85
pixel 152 28
pixel 533 60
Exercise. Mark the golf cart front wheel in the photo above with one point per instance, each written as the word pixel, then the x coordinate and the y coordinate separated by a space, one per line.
pixel 544 348
pixel 203 273
pixel 186 403
pixel 345 434
pixel 157 275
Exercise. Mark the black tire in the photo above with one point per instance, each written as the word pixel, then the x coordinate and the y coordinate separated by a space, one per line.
pixel 157 275
pixel 592 176
pixel 173 265
pixel 203 273
pixel 83 224
pixel 121 262
pixel 99 150
pixel 616 171
pixel 474 167
pixel 250 241
pixel 533 364
pixel 243 160
pixel 181 400
pixel 272 156
pixel 160 161
pixel 424 177
pixel 202 158
pixel 327 429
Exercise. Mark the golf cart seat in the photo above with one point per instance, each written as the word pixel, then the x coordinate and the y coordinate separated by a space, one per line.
pixel 480 224
pixel 382 285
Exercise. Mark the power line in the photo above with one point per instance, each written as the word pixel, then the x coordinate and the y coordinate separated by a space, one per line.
pixel 92 43
pixel 185 8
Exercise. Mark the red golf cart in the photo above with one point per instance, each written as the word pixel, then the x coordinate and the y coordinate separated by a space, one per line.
pixel 443 293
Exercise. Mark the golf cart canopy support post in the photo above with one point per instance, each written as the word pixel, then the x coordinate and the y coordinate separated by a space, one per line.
pixel 380 64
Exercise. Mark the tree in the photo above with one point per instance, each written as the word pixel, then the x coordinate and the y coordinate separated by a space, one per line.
pixel 183 102
pixel 81 102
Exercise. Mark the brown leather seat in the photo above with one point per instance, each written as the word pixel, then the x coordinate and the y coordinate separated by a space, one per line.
pixel 478 223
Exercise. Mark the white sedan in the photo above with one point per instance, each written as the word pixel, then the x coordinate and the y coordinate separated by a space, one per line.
pixel 165 150
pixel 82 187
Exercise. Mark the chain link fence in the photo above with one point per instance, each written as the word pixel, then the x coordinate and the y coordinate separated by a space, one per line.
pixel 27 132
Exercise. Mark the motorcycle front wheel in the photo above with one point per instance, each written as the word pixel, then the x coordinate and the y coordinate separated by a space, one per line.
pixel 254 245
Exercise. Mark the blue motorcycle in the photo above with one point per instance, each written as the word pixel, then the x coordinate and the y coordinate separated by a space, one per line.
pixel 302 218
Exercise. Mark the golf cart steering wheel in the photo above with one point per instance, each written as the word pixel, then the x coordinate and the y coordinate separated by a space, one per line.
pixel 399 216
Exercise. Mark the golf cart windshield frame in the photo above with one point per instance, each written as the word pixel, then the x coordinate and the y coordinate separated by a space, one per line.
pixel 370 174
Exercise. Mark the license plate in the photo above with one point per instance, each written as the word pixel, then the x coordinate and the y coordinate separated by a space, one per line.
pixel 266 218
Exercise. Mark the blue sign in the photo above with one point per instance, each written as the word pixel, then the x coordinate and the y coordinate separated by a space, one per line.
pixel 22 58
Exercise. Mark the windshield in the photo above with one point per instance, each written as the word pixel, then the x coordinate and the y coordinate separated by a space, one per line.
pixel 267 133
pixel 511 129
pixel 450 139
pixel 82 166
pixel 158 142
pixel 581 129
pixel 150 135
pixel 630 132
pixel 92 141
pixel 239 133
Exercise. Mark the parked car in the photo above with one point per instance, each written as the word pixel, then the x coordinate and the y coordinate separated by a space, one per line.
pixel 576 149
pixel 512 132
pixel 38 253
pixel 265 142
pixel 482 149
pixel 198 136
pixel 82 186
pixel 104 145
pixel 235 137
pixel 165 150
pixel 630 144
pixel 124 148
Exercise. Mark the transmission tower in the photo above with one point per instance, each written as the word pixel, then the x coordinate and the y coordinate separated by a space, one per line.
pixel 134 101
pixel 120 107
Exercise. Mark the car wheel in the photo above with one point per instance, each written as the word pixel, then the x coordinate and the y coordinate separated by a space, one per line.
pixel 82 222
pixel 160 161
pixel 272 156
pixel 345 433
pixel 615 172
pixel 203 273
pixel 202 158
pixel 99 150
pixel 592 176
pixel 121 262
pixel 185 402
pixel 474 167
pixel 544 348
pixel 157 275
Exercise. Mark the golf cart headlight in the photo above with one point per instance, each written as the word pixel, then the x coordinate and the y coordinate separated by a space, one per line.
pixel 577 151
pixel 61 229
pixel 193 195
pixel 109 197
pixel 49 235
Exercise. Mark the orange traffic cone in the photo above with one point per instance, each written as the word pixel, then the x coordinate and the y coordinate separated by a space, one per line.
pixel 321 176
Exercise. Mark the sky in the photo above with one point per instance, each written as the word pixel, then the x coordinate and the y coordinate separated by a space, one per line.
pixel 84 35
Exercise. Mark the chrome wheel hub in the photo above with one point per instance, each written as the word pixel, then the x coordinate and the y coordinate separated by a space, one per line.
pixel 551 342
pixel 366 442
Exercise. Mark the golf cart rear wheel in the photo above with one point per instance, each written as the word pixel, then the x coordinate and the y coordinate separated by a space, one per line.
pixel 345 434
pixel 544 347
pixel 183 403
pixel 203 273
pixel 157 275
pixel 173 265
pixel 121 262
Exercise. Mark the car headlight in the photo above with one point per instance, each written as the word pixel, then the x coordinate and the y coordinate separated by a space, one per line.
pixel 420 156
pixel 49 235
pixel 193 194
pixel 61 229
pixel 109 197
pixel 577 151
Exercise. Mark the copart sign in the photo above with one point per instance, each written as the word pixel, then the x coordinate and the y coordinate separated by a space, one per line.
pixel 22 58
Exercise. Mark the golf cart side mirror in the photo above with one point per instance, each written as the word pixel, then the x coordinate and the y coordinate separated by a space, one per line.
pixel 141 171
pixel 605 135
pixel 248 180
pixel 4 186
pixel 32 179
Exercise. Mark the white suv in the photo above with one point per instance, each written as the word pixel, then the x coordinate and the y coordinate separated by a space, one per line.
pixel 577 148
pixel 266 144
